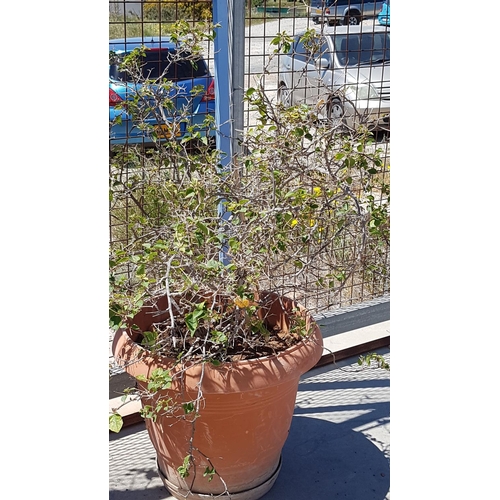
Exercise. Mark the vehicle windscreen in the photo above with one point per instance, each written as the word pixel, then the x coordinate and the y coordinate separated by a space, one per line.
pixel 362 48
pixel 163 64
pixel 321 4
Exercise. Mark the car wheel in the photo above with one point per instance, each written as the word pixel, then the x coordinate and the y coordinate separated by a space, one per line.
pixel 335 112
pixel 352 20
pixel 284 95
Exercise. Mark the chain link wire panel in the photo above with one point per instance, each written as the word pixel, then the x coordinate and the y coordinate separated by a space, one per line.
pixel 350 52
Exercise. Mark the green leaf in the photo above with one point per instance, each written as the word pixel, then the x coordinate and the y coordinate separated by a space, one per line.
pixel 202 227
pixel 183 470
pixel 192 319
pixel 209 472
pixel 188 407
pixel 149 339
pixel 219 337
pixel 115 422
pixel 160 380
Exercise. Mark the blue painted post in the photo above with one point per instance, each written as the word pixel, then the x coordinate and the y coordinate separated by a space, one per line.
pixel 222 10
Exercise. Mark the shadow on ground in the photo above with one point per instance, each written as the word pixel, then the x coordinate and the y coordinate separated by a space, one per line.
pixel 337 448
pixel 323 460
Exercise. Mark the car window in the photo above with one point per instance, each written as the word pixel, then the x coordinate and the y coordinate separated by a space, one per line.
pixel 327 3
pixel 364 48
pixel 309 49
pixel 159 64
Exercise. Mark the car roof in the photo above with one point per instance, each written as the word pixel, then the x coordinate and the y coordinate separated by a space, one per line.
pixel 342 30
pixel 153 42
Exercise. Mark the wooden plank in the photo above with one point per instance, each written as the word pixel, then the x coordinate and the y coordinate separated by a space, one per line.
pixel 356 350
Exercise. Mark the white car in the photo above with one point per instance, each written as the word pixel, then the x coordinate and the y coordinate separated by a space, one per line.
pixel 342 72
pixel 343 11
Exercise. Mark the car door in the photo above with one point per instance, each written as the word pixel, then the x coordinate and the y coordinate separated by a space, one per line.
pixel 309 61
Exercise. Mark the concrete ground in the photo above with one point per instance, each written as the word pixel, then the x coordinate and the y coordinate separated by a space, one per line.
pixel 338 446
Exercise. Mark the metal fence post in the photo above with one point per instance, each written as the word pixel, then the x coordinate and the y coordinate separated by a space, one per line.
pixel 238 72
pixel 229 53
pixel 222 10
pixel 222 15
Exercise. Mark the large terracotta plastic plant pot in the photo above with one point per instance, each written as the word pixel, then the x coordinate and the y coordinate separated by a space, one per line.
pixel 245 411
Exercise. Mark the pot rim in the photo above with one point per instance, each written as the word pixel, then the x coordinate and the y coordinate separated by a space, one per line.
pixel 300 357
pixel 168 359
pixel 311 325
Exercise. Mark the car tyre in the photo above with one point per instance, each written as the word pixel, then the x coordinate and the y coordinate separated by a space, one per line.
pixel 335 112
pixel 284 95
pixel 352 20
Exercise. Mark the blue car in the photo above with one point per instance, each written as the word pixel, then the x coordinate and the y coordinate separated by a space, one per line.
pixel 384 16
pixel 186 104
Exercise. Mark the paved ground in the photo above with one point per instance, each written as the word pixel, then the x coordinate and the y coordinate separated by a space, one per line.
pixel 338 445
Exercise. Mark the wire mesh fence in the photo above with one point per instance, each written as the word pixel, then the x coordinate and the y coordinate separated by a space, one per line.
pixel 324 59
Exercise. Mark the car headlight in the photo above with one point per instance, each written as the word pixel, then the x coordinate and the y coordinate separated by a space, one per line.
pixel 360 91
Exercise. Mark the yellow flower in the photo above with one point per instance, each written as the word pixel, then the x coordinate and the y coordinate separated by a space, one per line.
pixel 294 222
pixel 316 191
pixel 242 303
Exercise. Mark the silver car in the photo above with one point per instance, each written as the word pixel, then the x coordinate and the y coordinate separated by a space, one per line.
pixel 350 12
pixel 342 73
